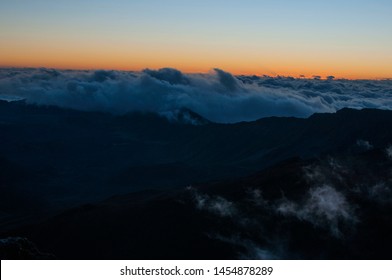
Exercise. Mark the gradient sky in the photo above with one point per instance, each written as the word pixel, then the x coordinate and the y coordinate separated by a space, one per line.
pixel 351 39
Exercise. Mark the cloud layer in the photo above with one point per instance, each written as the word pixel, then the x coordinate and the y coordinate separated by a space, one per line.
pixel 217 96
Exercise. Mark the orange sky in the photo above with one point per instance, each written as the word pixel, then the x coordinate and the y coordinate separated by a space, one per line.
pixel 188 60
pixel 242 37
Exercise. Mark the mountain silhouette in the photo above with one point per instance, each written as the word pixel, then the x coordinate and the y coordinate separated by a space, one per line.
pixel 171 179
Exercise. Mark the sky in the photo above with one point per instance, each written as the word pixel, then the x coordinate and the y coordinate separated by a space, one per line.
pixel 351 39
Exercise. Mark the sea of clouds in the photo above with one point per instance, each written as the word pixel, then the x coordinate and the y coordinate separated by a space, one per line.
pixel 218 95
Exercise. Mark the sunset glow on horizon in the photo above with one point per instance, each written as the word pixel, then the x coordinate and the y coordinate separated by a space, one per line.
pixel 346 39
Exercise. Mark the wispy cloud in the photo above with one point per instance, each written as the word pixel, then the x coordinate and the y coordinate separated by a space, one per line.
pixel 324 207
pixel 332 200
pixel 214 204
pixel 389 151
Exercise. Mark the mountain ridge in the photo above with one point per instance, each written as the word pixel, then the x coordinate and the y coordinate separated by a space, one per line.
pixel 75 157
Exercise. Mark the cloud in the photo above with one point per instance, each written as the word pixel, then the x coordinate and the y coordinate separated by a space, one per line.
pixel 381 193
pixel 227 80
pixel 251 250
pixel 214 204
pixel 255 196
pixel 333 200
pixel 327 202
pixel 324 207
pixel 247 231
pixel 364 144
pixel 173 76
pixel 326 172
pixel 218 96
pixel 102 75
pixel 388 151
pixel 184 117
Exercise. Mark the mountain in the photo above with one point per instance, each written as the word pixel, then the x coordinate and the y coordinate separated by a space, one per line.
pixel 54 159
pixel 329 208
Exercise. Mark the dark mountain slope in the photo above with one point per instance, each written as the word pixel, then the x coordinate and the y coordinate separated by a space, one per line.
pixel 335 207
pixel 75 157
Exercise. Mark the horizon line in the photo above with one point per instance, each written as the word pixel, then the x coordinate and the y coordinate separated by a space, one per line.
pixel 277 75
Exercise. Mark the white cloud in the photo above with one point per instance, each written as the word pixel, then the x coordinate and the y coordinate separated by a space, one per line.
pixel 324 207
pixel 217 96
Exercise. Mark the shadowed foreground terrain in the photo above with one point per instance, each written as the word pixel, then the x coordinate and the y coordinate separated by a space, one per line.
pixel 86 185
